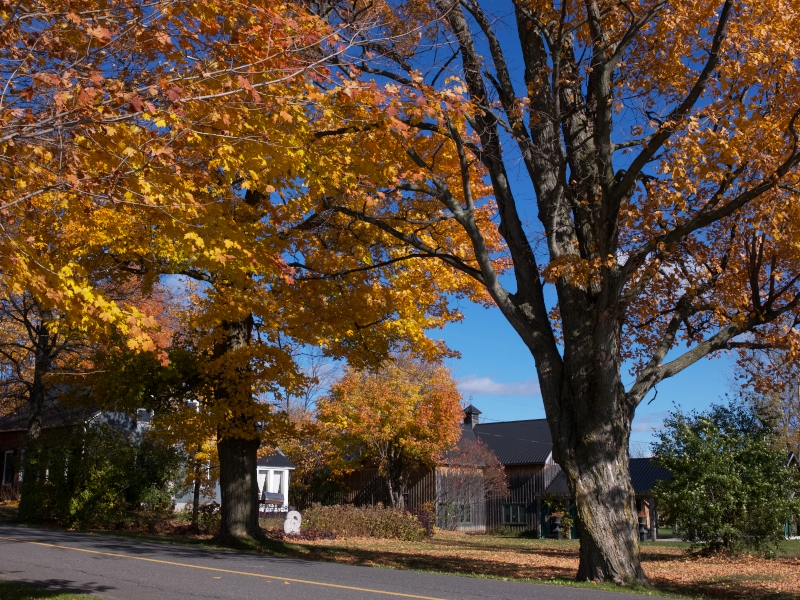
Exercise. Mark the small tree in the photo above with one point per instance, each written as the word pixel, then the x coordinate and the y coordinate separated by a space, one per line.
pixel 471 475
pixel 730 488
pixel 401 417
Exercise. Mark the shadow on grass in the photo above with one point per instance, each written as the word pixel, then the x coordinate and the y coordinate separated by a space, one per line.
pixel 8 512
pixel 426 562
pixel 732 588
pixel 54 589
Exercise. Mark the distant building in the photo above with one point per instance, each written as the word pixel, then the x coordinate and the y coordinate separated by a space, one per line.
pixel 525 449
pixel 273 470
pixel 55 418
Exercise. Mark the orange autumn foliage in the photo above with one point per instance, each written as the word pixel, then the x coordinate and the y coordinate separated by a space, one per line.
pixel 399 418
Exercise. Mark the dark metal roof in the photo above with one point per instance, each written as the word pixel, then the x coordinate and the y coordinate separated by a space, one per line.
pixel 558 487
pixel 517 442
pixel 276 460
pixel 644 475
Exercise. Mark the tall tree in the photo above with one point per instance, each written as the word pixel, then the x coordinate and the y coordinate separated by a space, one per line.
pixel 172 137
pixel 659 142
pixel 400 418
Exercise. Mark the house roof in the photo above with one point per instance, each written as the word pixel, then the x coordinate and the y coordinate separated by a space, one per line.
pixel 644 475
pixel 275 460
pixel 517 442
pixel 53 415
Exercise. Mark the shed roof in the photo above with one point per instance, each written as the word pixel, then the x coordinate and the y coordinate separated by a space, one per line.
pixel 275 460
pixel 517 442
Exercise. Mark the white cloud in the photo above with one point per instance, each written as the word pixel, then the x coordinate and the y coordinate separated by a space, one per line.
pixel 472 384
pixel 649 422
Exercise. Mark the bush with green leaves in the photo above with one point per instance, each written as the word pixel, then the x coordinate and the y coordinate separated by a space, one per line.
pixel 346 520
pixel 730 488
pixel 99 476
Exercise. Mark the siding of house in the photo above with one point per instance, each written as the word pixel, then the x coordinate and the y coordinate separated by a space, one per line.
pixel 526 483
pixel 456 489
pixel 366 488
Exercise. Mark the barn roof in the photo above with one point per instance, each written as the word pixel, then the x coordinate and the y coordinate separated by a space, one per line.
pixel 517 442
pixel 644 475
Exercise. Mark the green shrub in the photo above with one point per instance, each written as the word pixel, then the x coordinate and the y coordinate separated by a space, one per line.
pixel 730 489
pixel 98 476
pixel 346 520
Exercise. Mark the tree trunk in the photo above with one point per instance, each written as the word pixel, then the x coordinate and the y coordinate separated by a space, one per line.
pixel 396 494
pixel 42 355
pixel 608 526
pixel 396 475
pixel 196 496
pixel 238 437
pixel 43 362
pixel 239 486
pixel 591 423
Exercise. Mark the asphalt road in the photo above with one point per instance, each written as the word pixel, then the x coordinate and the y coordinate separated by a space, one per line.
pixel 124 569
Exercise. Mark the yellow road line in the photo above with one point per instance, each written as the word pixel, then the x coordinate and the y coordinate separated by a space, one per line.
pixel 218 570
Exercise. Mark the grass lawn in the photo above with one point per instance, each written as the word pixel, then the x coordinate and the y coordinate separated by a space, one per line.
pixel 8 512
pixel 11 590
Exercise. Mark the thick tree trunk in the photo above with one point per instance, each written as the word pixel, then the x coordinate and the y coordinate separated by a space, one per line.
pixel 43 349
pixel 239 486
pixel 607 519
pixel 238 437
pixel 591 423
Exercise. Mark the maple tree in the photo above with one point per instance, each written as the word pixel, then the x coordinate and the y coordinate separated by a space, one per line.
pixel 318 462
pixel 121 118
pixel 165 137
pixel 659 140
pixel 400 417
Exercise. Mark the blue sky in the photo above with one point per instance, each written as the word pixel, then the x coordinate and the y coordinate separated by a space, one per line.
pixel 497 370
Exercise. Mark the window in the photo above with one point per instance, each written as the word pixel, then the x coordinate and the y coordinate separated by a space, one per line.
pixel 454 513
pixel 513 514
pixel 464 513
pixel 8 467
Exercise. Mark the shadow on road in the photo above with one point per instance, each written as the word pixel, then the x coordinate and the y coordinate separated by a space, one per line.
pixel 33 589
